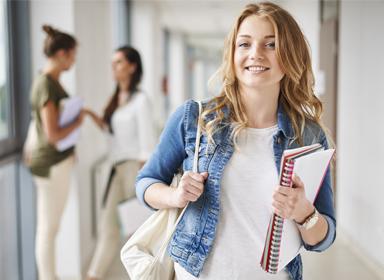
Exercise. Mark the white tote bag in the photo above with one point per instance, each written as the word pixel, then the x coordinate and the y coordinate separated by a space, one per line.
pixel 144 255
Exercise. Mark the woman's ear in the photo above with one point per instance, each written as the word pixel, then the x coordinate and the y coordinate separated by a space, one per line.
pixel 132 68
pixel 59 53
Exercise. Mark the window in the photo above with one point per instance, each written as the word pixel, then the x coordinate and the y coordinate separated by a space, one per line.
pixel 16 192
pixel 4 84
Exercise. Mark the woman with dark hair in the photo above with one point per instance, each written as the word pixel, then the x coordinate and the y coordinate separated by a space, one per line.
pixel 51 169
pixel 127 118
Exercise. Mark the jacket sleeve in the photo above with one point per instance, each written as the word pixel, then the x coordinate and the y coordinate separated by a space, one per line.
pixel 167 157
pixel 325 205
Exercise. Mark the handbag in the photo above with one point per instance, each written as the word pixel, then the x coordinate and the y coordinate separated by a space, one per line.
pixel 144 254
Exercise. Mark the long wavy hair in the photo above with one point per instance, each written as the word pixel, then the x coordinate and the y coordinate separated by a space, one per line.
pixel 296 87
pixel 133 56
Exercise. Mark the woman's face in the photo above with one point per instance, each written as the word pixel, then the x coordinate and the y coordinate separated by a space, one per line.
pixel 67 58
pixel 255 60
pixel 121 67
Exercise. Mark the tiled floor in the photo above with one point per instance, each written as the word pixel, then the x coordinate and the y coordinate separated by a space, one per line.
pixel 337 263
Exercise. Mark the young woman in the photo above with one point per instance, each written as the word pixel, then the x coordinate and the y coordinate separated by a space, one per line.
pixel 266 105
pixel 51 169
pixel 128 119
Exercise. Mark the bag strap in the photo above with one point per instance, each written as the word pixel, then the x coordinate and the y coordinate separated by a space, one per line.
pixel 197 143
pixel 194 169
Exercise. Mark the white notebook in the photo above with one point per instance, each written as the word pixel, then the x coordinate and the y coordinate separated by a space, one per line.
pixel 311 168
pixel 70 109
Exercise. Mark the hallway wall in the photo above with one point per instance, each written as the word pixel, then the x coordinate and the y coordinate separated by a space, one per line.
pixel 360 151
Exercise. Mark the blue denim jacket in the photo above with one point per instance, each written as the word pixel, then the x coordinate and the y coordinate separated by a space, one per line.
pixel 194 236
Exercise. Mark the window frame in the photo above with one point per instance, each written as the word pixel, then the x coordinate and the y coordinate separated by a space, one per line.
pixel 18 71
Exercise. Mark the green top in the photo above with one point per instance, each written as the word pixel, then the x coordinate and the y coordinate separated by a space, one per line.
pixel 45 155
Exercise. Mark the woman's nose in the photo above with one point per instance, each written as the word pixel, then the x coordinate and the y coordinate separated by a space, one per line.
pixel 256 53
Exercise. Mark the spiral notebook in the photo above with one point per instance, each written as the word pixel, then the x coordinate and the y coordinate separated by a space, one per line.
pixel 283 242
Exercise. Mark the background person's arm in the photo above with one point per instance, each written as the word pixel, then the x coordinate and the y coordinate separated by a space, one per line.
pixel 50 122
pixel 98 120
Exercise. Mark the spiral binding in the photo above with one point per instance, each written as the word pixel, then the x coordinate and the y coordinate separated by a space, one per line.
pixel 270 259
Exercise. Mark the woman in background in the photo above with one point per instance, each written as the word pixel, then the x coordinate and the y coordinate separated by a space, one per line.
pixel 51 169
pixel 127 118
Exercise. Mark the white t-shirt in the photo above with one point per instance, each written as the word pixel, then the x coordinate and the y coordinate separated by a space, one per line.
pixel 134 135
pixel 247 186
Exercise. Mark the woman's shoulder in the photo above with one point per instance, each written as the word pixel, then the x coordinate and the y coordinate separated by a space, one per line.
pixel 192 106
pixel 313 131
pixel 141 98
pixel 44 83
pixel 187 113
pixel 42 88
pixel 40 81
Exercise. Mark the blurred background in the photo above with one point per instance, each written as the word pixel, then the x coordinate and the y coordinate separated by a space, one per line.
pixel 181 46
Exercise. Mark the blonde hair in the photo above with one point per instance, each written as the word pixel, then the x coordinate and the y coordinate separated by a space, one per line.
pixel 296 87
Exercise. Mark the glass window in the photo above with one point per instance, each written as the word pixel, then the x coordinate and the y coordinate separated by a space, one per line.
pixel 4 92
pixel 8 217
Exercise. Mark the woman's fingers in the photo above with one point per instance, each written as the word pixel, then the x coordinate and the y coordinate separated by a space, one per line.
pixel 191 186
pixel 197 176
pixel 297 183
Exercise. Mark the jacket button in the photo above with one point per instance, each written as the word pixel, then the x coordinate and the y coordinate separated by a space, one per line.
pixel 278 140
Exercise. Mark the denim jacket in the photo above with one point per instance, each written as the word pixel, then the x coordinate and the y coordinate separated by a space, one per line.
pixel 194 235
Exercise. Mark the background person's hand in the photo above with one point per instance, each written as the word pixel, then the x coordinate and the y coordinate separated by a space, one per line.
pixel 190 188
pixel 80 117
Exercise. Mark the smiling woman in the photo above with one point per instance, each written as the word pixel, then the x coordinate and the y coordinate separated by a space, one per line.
pixel 266 105
pixel 256 62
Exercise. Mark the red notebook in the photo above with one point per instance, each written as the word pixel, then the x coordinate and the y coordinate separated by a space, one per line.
pixel 310 163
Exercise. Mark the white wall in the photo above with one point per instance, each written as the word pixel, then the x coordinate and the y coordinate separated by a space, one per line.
pixel 177 70
pixel 360 134
pixel 93 27
pixel 307 14
pixel 147 38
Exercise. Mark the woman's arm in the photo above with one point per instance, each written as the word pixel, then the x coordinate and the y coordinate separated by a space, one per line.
pixel 291 203
pixel 189 189
pixel 152 183
pixel 50 121
pixel 98 120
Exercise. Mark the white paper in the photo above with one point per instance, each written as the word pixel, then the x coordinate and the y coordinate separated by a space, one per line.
pixel 70 109
pixel 311 169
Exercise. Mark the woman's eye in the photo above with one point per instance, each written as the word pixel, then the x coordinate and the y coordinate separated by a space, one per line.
pixel 243 45
pixel 270 45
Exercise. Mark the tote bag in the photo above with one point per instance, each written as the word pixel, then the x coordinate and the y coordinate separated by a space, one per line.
pixel 144 255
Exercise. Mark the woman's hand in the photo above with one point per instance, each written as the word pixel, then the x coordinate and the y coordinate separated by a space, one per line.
pixel 291 203
pixel 80 117
pixel 98 120
pixel 190 188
